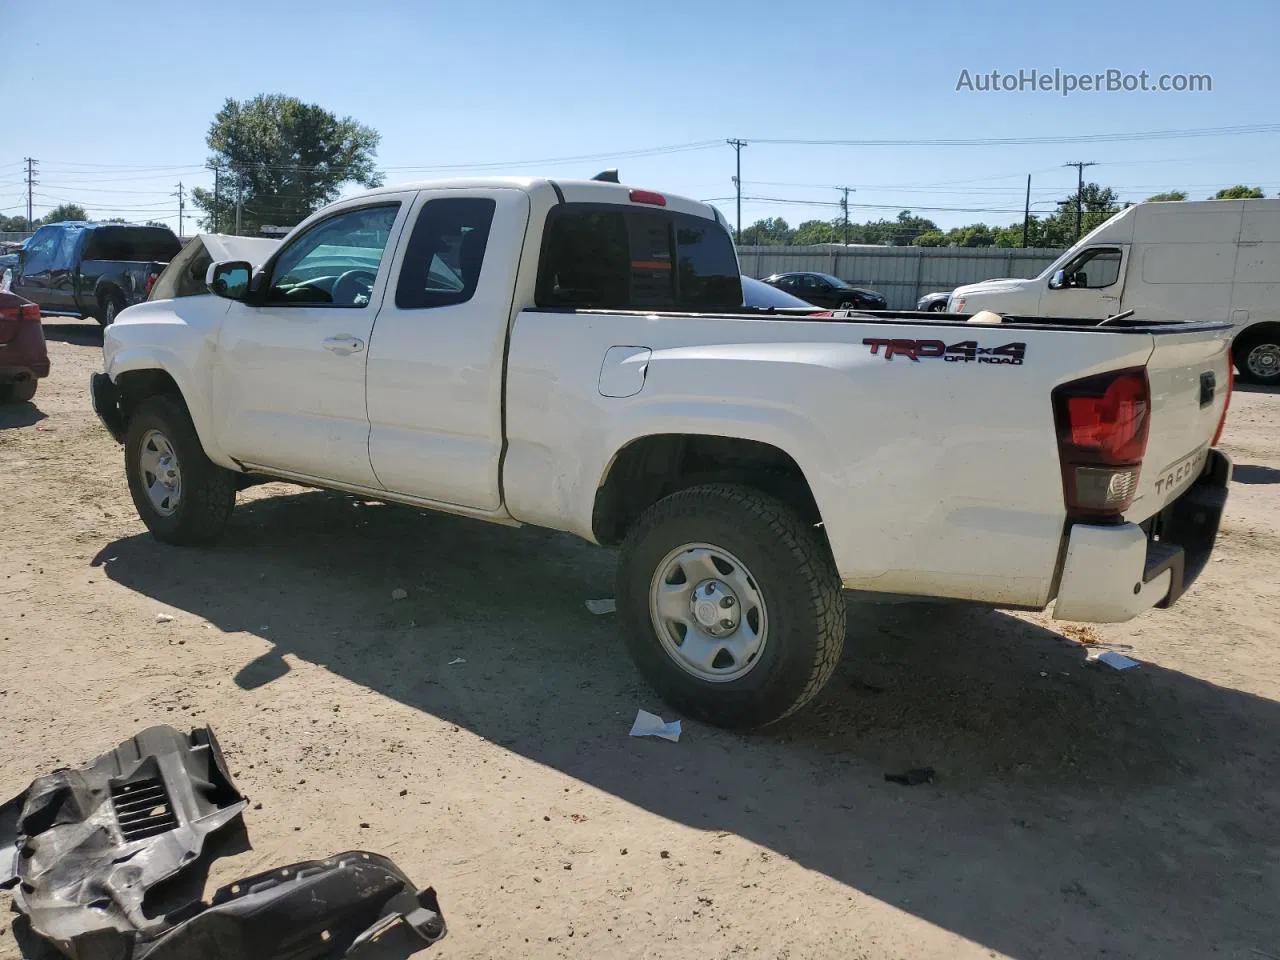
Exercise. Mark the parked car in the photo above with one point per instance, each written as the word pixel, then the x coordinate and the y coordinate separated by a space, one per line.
pixel 1200 259
pixel 86 269
pixel 577 356
pixel 760 296
pixel 185 274
pixel 24 359
pixel 824 290
pixel 933 302
pixel 9 259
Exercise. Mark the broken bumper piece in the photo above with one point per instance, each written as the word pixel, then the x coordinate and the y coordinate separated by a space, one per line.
pixel 95 856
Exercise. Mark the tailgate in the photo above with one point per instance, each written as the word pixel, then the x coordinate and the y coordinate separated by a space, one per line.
pixel 1188 373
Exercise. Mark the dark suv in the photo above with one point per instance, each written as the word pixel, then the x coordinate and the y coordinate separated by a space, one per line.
pixel 824 290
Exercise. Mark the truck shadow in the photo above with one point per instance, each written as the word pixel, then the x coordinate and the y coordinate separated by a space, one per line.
pixel 82 333
pixel 1077 810
pixel 1254 473
pixel 14 415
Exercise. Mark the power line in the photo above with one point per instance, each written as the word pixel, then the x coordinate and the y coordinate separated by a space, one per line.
pixel 1145 135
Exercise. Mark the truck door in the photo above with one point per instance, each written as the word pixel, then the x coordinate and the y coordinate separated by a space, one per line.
pixel 289 370
pixel 1088 286
pixel 435 378
pixel 32 278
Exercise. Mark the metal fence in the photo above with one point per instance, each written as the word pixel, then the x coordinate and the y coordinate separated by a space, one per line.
pixel 902 274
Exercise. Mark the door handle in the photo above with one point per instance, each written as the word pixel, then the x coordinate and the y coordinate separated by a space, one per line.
pixel 344 344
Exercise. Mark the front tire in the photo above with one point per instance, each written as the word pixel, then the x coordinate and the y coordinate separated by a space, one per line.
pixel 180 494
pixel 731 605
pixel 1257 357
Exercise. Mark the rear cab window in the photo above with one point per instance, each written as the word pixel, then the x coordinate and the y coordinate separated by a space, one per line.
pixel 132 244
pixel 612 257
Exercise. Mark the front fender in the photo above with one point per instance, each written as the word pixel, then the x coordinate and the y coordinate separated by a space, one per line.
pixel 122 359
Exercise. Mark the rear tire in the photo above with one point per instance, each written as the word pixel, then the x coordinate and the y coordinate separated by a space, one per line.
pixel 180 494
pixel 768 558
pixel 109 307
pixel 1257 357
pixel 18 392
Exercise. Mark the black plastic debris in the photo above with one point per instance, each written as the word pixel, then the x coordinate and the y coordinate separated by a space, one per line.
pixel 913 777
pixel 99 860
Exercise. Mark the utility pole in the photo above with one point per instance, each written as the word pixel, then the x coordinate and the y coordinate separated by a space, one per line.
pixel 844 205
pixel 216 196
pixel 239 198
pixel 737 181
pixel 1026 214
pixel 31 182
pixel 1080 165
pixel 181 205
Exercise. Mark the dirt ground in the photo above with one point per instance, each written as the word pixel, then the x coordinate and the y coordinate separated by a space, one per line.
pixel 476 731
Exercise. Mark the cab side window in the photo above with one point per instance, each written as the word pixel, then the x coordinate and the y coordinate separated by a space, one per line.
pixel 1094 269
pixel 336 262
pixel 40 250
pixel 445 254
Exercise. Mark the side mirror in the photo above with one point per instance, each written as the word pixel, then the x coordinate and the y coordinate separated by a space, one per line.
pixel 1058 280
pixel 229 279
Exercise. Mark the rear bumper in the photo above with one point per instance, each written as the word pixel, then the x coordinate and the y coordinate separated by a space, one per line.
pixel 25 357
pixel 1113 573
pixel 106 404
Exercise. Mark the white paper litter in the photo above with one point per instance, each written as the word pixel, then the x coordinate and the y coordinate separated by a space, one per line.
pixel 651 725
pixel 399 594
pixel 163 618
pixel 1117 660
pixel 601 607
pixel 457 660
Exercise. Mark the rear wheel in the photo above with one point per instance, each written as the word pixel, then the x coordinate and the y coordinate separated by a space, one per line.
pixel 109 305
pixel 181 495
pixel 731 605
pixel 18 392
pixel 1257 356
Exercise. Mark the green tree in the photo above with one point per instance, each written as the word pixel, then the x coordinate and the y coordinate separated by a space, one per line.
pixel 14 224
pixel 1167 196
pixel 930 238
pixel 815 231
pixel 284 159
pixel 974 235
pixel 65 211
pixel 1239 192
pixel 771 231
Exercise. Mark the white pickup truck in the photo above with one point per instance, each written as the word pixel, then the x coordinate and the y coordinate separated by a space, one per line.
pixel 575 355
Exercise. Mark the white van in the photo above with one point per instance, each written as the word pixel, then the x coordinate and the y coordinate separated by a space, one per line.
pixel 1189 260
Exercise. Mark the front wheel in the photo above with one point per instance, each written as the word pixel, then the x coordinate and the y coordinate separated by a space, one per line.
pixel 731 605
pixel 1257 357
pixel 181 495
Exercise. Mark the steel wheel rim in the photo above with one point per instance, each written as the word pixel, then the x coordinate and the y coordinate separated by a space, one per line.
pixel 160 472
pixel 708 612
pixel 1264 360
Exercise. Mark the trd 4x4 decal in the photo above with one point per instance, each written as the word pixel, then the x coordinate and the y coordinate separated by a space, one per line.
pixel 966 351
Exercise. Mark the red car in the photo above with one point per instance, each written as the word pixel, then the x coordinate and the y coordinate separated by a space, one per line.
pixel 23 357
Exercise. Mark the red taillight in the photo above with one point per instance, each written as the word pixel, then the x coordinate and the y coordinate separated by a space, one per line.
pixel 12 319
pixel 648 196
pixel 1231 387
pixel 151 282
pixel 1102 423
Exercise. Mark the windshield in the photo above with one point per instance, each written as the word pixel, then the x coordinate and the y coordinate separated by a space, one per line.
pixel 757 293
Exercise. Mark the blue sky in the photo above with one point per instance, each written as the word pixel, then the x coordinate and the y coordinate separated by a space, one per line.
pixel 120 116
